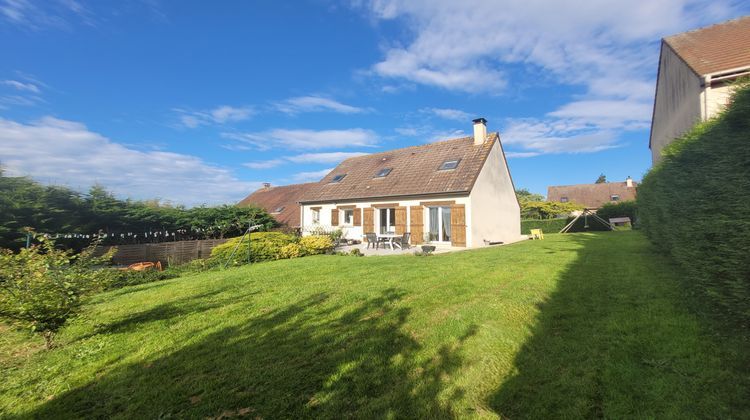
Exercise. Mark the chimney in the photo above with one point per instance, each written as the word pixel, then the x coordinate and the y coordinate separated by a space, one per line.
pixel 629 182
pixel 266 186
pixel 480 131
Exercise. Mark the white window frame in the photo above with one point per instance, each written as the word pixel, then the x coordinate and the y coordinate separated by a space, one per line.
pixel 315 215
pixel 350 217
pixel 614 197
pixel 390 223
pixel 439 223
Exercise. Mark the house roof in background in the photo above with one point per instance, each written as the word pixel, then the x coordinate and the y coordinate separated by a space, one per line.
pixel 286 196
pixel 715 48
pixel 592 196
pixel 415 171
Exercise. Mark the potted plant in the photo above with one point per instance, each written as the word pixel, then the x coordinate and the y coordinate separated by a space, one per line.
pixel 427 246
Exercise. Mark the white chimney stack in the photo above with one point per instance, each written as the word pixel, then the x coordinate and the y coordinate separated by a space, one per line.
pixel 480 131
pixel 629 182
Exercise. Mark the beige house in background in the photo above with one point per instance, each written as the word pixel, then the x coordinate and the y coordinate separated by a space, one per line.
pixel 593 196
pixel 456 192
pixel 696 69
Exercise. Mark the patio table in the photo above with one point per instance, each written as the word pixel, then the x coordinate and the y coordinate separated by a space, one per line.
pixel 390 237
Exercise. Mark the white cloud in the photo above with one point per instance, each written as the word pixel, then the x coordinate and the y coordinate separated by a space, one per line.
pixel 608 47
pixel 311 103
pixel 219 115
pixel 28 87
pixel 37 15
pixel 331 157
pixel 264 164
pixel 67 152
pixel 311 176
pixel 556 136
pixel 515 155
pixel 448 114
pixel 306 139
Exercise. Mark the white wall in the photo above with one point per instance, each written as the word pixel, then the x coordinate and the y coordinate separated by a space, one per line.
pixel 495 212
pixel 356 233
pixel 715 99
pixel 678 101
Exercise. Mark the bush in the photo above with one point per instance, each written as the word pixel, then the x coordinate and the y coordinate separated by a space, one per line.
pixel 42 287
pixel 122 278
pixel 293 250
pixel 316 244
pixel 536 210
pixel 547 226
pixel 264 246
pixel 695 206
pixel 621 209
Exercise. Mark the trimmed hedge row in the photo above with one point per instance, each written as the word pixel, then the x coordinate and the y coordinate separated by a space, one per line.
pixel 546 225
pixel 695 205
pixel 267 246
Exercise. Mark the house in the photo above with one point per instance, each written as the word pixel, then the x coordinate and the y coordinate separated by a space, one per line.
pixel 593 196
pixel 280 202
pixel 696 70
pixel 456 192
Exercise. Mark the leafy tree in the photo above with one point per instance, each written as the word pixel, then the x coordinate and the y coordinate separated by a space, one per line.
pixel 601 180
pixel 547 209
pixel 620 209
pixel 525 195
pixel 42 287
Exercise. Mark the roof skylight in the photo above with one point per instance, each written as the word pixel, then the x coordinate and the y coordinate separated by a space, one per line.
pixel 383 172
pixel 338 178
pixel 449 164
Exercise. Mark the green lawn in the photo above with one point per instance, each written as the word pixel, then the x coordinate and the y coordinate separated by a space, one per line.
pixel 580 325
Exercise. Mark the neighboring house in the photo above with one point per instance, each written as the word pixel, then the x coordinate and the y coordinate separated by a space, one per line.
pixel 593 196
pixel 457 192
pixel 696 70
pixel 281 202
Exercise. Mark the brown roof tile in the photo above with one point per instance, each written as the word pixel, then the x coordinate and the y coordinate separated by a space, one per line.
pixel 273 198
pixel 414 172
pixel 715 48
pixel 592 196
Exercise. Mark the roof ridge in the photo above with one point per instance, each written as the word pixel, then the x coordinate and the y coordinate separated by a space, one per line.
pixel 591 183
pixel 417 146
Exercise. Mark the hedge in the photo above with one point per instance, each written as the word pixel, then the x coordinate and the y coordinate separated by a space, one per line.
pixel 695 206
pixel 621 209
pixel 264 246
pixel 546 225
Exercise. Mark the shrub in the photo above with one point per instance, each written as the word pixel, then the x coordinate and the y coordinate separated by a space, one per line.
pixel 621 209
pixel 42 287
pixel 316 244
pixel 695 206
pixel 122 278
pixel 547 209
pixel 264 246
pixel 547 226
pixel 293 250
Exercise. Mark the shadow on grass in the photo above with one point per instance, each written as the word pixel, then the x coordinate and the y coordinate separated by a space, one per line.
pixel 312 358
pixel 619 339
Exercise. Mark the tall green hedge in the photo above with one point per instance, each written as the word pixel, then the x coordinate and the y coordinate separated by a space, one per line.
pixel 695 205
pixel 546 225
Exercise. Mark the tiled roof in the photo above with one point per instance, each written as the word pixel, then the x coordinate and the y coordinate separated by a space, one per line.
pixel 715 48
pixel 273 198
pixel 592 196
pixel 414 172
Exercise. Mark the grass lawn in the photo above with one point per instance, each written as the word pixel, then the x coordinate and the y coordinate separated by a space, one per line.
pixel 579 325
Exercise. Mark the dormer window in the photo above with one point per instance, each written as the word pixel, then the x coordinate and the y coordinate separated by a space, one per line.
pixel 563 199
pixel 338 178
pixel 383 172
pixel 449 164
pixel 615 197
pixel 279 209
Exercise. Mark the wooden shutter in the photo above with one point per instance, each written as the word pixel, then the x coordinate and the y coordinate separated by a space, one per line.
pixel 416 224
pixel 400 220
pixel 458 225
pixel 357 217
pixel 368 220
pixel 334 217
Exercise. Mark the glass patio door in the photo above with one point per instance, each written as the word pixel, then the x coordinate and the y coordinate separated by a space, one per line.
pixel 387 220
pixel 440 224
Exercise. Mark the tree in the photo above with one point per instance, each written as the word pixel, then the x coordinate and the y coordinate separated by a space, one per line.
pixel 536 210
pixel 525 195
pixel 41 287
pixel 601 180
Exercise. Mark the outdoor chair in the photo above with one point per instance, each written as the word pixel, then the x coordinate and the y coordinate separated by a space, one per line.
pixel 372 239
pixel 537 234
pixel 404 240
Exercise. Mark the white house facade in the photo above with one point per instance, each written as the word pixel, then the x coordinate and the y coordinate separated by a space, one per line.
pixel 456 192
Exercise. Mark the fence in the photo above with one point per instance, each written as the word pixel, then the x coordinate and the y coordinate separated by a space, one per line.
pixel 167 252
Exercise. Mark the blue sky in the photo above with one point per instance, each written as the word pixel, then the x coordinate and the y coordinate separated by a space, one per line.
pixel 200 102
